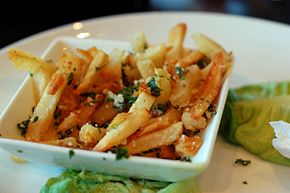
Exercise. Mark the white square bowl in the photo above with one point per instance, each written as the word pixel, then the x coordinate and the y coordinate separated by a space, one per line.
pixel 151 168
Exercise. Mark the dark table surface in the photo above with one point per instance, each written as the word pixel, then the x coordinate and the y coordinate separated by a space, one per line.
pixel 24 18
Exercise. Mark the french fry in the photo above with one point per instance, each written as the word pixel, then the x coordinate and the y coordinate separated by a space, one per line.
pixel 154 53
pixel 155 139
pixel 106 112
pixel 40 69
pixel 146 68
pixel 162 79
pixel 172 115
pixel 185 86
pixel 192 117
pixel 176 38
pixel 66 142
pixel 139 42
pixel 191 58
pixel 123 125
pixel 99 61
pixel 209 47
pixel 43 113
pixel 188 146
pixel 144 101
pixel 82 115
pixel 90 134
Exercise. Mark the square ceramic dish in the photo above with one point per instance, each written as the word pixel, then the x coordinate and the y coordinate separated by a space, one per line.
pixel 151 168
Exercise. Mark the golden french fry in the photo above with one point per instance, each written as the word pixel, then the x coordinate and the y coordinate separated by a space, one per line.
pixel 176 38
pixel 99 61
pixel 40 69
pixel 155 139
pixel 163 81
pixel 139 42
pixel 188 146
pixel 209 47
pixel 185 86
pixel 146 68
pixel 90 134
pixel 123 125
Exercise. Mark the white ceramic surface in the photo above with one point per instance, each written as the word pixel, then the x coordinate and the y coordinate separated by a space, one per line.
pixel 261 50
pixel 155 169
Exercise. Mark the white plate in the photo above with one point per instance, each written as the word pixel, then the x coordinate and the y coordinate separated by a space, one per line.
pixel 261 51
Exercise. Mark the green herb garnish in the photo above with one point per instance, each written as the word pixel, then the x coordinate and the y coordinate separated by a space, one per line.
pixel 23 126
pixel 121 152
pixel 127 94
pixel 19 151
pixel 49 61
pixel 71 153
pixel 159 110
pixel 202 63
pixel 211 109
pixel 57 113
pixel 242 162
pixel 185 159
pixel 154 89
pixel 181 72
pixel 88 94
pixel 67 133
pixel 35 119
pixel 70 78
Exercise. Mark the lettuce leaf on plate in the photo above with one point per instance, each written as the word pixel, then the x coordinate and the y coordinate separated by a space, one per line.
pixel 71 181
pixel 247 114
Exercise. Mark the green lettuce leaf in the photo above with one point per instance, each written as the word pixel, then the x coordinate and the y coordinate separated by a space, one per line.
pixel 71 181
pixel 247 114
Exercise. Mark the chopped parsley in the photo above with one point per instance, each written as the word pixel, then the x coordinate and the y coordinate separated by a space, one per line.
pixel 67 133
pixel 191 133
pixel 159 110
pixel 71 153
pixel 242 162
pixel 55 123
pixel 70 78
pixel 203 63
pixel 49 61
pixel 245 182
pixel 121 152
pixel 154 89
pixel 57 113
pixel 124 99
pixel 30 74
pixel 35 119
pixel 19 151
pixel 212 109
pixel 185 159
pixel 181 72
pixel 88 94
pixel 23 126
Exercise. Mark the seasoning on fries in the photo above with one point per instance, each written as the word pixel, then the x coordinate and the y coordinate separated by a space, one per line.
pixel 153 101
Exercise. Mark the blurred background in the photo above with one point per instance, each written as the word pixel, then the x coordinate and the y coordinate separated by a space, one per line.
pixel 20 19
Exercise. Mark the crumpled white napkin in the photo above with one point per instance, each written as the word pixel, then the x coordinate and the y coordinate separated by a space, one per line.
pixel 282 141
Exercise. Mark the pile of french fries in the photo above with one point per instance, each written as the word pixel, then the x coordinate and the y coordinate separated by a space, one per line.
pixel 154 101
